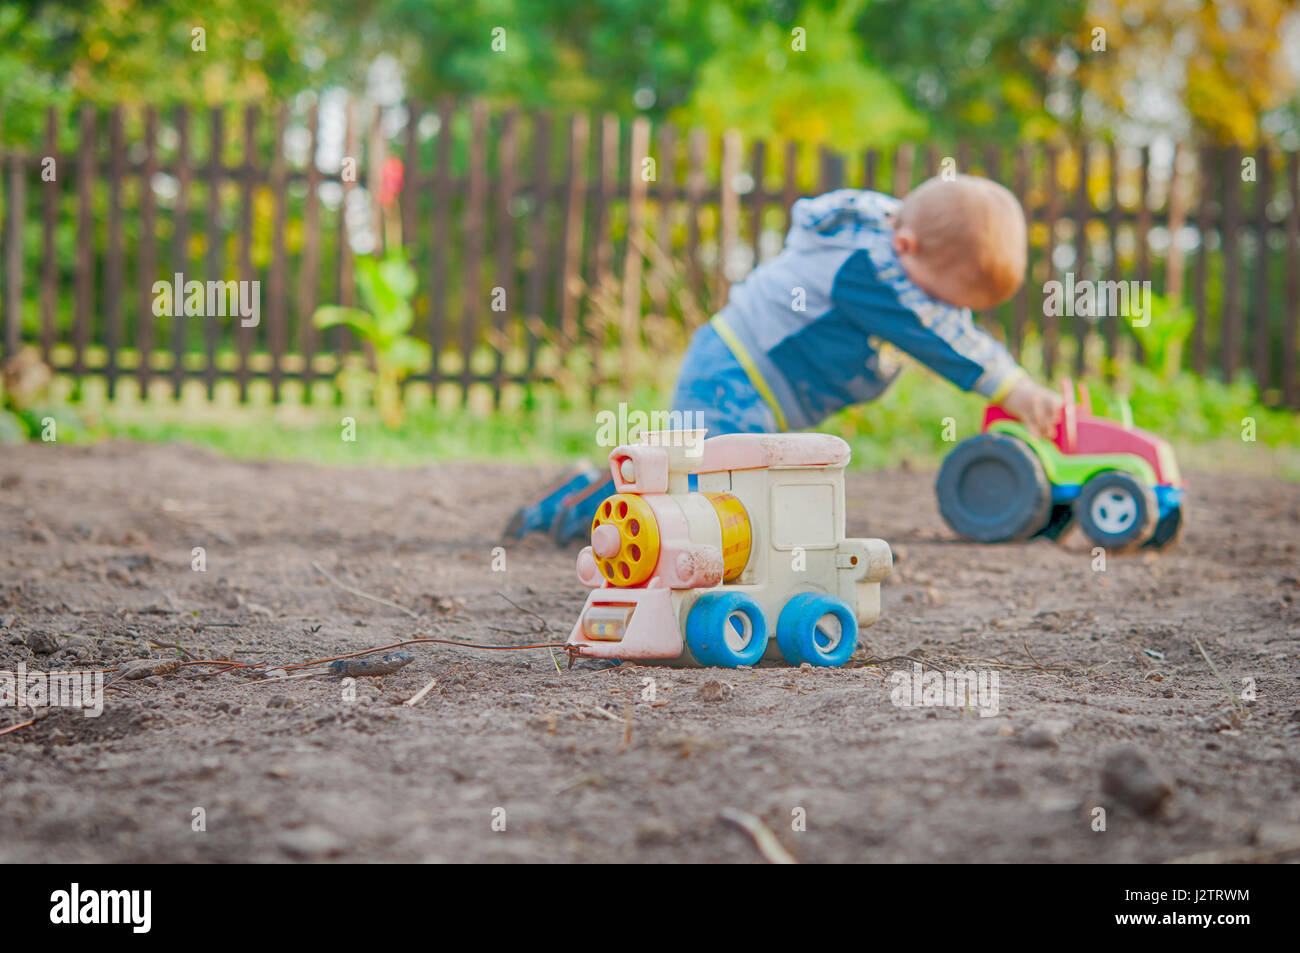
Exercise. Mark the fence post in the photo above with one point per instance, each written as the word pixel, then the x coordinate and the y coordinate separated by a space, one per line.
pixel 630 332
pixel 181 244
pixel 1020 309
pixel 277 312
pixel 1230 328
pixel 1261 330
pixel 244 335
pixel 477 198
pixel 1082 209
pixel 438 243
pixel 534 322
pixel 115 267
pixel 215 262
pixel 347 286
pixel 904 161
pixel 757 200
pixel 148 272
pixel 14 252
pixel 1048 324
pixel 728 214
pixel 49 260
pixel 507 151
pixel 790 188
pixel 571 280
pixel 1177 218
pixel 696 182
pixel 85 275
pixel 1205 183
pixel 1291 326
pixel 309 265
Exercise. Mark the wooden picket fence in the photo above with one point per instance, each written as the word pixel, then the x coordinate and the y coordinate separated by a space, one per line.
pixel 521 223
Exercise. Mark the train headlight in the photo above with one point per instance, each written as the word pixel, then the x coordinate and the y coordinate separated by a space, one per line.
pixel 602 623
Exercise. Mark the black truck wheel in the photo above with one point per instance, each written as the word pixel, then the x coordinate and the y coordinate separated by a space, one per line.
pixel 1168 530
pixel 992 489
pixel 1060 520
pixel 1116 510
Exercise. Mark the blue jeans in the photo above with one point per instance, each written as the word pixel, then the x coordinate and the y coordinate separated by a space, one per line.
pixel 713 384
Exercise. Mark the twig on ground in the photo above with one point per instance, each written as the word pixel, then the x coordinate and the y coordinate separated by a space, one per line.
pixel 627 730
pixel 1222 681
pixel 546 626
pixel 893 658
pixel 289 678
pixel 179 648
pixel 1031 654
pixel 419 696
pixel 22 724
pixel 771 848
pixel 364 595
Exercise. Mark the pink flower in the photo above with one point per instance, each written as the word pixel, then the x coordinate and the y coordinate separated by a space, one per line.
pixel 390 181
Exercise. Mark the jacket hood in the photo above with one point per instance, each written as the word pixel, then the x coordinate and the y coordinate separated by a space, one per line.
pixel 845 218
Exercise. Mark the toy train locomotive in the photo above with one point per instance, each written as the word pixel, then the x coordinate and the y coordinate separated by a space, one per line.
pixel 725 552
pixel 1120 484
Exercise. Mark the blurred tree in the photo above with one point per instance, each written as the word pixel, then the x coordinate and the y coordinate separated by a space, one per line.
pixel 1215 69
pixel 806 79
pixel 979 65
pixel 28 84
pixel 592 54
pixel 159 51
pixel 867 71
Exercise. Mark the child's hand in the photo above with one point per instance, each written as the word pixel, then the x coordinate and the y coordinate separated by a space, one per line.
pixel 1035 406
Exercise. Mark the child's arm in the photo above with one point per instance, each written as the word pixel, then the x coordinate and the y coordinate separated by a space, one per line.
pixel 946 340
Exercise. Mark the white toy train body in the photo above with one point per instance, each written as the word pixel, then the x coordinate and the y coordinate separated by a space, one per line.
pixel 726 552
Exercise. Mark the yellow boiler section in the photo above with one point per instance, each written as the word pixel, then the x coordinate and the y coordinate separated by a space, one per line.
pixel 736 534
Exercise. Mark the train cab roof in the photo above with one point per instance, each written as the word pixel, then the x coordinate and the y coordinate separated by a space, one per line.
pixel 752 451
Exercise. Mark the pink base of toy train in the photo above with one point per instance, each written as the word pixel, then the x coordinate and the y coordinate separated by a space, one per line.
pixel 651 631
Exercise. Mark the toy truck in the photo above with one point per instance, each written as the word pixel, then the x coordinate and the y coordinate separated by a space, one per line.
pixel 1120 484
pixel 727 556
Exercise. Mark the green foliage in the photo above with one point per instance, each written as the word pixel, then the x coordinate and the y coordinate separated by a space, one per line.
pixel 387 287
pixel 61 52
pixel 28 84
pixel 869 70
pixel 983 65
pixel 1165 335
pixel 13 429
pixel 764 77
pixel 585 54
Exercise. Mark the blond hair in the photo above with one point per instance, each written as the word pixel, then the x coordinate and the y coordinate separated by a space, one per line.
pixel 970 225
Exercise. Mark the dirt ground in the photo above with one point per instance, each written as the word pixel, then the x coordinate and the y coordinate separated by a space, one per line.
pixel 96 548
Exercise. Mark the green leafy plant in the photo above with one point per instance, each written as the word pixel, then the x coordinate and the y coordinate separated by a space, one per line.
pixel 387 287
pixel 1165 335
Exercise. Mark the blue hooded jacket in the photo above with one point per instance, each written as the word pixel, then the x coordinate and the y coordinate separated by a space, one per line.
pixel 807 325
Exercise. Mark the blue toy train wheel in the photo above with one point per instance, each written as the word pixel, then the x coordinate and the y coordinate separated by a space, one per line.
pixel 727 630
pixel 817 628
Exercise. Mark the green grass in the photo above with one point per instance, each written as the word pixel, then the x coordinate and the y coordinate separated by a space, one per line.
pixel 1203 418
